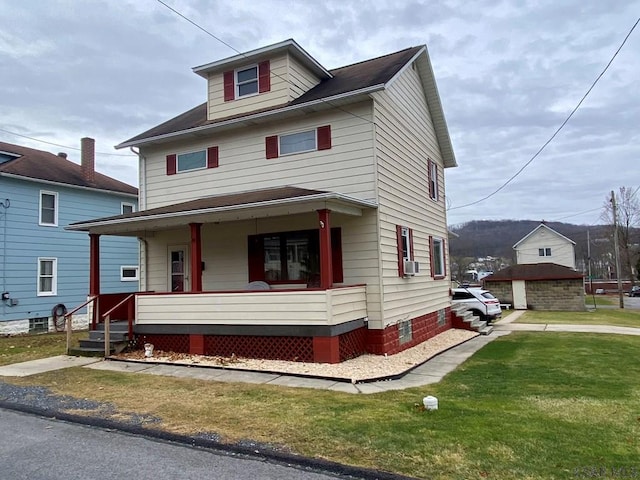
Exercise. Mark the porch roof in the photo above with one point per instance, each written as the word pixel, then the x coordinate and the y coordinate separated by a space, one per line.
pixel 262 203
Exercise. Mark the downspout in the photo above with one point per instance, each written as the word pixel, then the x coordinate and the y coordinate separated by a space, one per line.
pixel 144 253
pixel 144 246
pixel 5 206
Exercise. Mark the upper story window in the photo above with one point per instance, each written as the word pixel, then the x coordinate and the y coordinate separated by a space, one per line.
pixel 247 81
pixel 298 142
pixel 433 179
pixel 127 208
pixel 186 162
pixel 544 252
pixel 47 276
pixel 307 141
pixel 49 208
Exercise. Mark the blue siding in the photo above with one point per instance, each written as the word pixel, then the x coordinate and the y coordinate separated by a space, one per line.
pixel 23 241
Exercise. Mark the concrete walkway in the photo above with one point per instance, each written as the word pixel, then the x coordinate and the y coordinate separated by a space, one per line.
pixel 430 372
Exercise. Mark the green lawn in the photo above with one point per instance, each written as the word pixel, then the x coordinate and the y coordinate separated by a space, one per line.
pixel 616 316
pixel 21 348
pixel 527 406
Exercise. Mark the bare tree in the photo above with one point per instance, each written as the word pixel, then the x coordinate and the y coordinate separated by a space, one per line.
pixel 628 219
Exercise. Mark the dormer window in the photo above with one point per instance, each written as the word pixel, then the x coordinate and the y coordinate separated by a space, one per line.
pixel 247 81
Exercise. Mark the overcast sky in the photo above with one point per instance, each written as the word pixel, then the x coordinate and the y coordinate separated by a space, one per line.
pixel 508 73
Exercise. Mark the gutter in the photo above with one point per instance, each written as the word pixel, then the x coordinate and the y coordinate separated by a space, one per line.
pixel 353 93
pixel 68 185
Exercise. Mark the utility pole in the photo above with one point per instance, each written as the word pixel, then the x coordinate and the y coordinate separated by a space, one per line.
pixel 616 247
pixel 589 261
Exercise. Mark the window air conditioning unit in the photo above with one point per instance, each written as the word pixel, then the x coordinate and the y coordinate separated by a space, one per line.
pixel 411 268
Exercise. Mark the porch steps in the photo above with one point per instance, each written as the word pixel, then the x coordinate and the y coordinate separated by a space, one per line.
pixel 94 345
pixel 468 321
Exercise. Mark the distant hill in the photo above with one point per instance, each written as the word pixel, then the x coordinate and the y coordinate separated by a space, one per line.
pixel 496 238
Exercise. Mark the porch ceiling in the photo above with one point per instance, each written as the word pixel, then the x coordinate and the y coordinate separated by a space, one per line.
pixel 226 208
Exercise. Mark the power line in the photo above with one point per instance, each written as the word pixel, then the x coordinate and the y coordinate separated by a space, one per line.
pixel 576 214
pixel 287 80
pixel 63 146
pixel 558 129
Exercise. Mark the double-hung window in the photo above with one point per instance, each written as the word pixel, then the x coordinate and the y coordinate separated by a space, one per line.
pixel 544 252
pixel 196 160
pixel 404 239
pixel 433 179
pixel 47 276
pixel 48 208
pixel 438 267
pixel 298 142
pixel 246 81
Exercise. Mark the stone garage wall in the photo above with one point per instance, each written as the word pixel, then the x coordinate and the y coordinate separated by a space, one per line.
pixel 567 295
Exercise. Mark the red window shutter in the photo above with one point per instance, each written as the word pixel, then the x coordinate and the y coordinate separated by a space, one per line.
pixel 256 258
pixel 171 164
pixel 264 77
pixel 271 146
pixel 336 255
pixel 324 137
pixel 429 179
pixel 400 257
pixel 431 255
pixel 411 257
pixel 229 86
pixel 212 157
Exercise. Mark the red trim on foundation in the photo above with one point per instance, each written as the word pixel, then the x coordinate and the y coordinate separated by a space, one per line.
pixel 326 350
pixel 326 261
pixel 94 264
pixel 196 257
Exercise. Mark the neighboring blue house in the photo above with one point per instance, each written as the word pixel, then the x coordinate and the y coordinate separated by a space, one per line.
pixel 42 265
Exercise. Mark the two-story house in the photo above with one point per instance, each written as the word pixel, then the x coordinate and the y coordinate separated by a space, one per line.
pixel 44 268
pixel 544 245
pixel 299 213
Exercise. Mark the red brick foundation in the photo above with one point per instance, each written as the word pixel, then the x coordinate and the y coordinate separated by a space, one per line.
pixel 423 328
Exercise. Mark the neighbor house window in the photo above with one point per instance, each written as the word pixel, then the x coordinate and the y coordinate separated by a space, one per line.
pixel 290 143
pixel 544 252
pixel 292 257
pixel 47 276
pixel 188 161
pixel 129 274
pixel 128 208
pixel 433 179
pixel 48 208
pixel 438 269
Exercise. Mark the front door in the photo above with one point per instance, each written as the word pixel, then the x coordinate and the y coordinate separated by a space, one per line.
pixel 519 294
pixel 179 268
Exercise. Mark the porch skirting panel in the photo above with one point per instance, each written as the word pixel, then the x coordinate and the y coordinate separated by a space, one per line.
pixel 424 327
pixel 327 344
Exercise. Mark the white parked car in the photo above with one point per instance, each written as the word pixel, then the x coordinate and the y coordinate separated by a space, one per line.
pixel 480 302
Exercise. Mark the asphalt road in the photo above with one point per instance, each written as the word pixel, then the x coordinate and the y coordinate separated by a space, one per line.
pixel 36 448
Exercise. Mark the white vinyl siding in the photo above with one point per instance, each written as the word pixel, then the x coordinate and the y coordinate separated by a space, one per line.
pixel 346 168
pixel 555 249
pixel 406 140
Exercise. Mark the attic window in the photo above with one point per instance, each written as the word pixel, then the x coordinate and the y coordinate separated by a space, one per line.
pixel 544 252
pixel 6 156
pixel 247 81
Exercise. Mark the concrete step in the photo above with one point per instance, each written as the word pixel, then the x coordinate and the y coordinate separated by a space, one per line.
pixel 115 326
pixel 486 330
pixel 113 336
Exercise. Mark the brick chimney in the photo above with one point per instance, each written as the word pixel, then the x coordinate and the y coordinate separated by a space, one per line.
pixel 62 154
pixel 88 158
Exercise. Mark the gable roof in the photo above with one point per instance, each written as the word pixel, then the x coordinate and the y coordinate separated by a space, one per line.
pixel 38 165
pixel 542 226
pixel 341 85
pixel 534 271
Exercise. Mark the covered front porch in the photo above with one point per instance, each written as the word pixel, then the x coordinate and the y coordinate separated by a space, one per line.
pixel 275 276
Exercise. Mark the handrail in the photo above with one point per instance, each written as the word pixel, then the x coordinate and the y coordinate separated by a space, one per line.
pixel 67 318
pixel 107 323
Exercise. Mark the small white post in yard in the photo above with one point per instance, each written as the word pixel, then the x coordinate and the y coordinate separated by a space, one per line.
pixel 107 327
